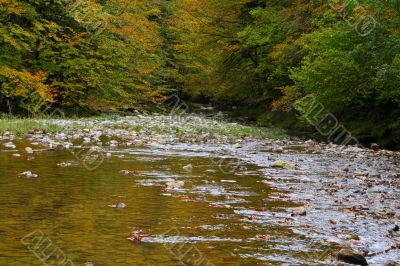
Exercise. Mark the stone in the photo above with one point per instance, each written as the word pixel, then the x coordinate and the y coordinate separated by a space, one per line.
pixel 351 257
pixel 10 145
pixel 391 263
pixel 353 237
pixel 120 205
pixel 374 147
pixel 374 173
pixel 28 174
pixel 299 212
pixel 282 164
pixel 29 150
pixel 175 184
pixel 63 164
pixel 188 168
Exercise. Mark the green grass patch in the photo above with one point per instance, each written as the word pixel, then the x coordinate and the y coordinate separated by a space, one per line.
pixel 20 126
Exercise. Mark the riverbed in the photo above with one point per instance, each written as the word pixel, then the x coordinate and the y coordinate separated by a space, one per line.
pixel 157 190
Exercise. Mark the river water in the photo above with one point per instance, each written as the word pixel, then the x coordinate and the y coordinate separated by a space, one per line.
pixel 232 208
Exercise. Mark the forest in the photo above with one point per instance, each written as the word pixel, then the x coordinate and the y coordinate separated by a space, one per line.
pixel 258 59
pixel 199 132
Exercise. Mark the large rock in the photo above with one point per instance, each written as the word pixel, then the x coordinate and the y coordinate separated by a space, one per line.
pixel 351 257
pixel 391 263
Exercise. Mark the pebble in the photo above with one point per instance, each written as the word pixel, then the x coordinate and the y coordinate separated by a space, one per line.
pixel 120 205
pixel 29 150
pixel 374 173
pixel 29 174
pixel 188 168
pixel 228 181
pixel 64 164
pixel 353 237
pixel 9 145
pixel 282 164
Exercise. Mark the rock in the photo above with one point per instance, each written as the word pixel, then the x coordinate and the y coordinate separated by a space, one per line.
pixel 64 164
pixel 137 236
pixel 374 147
pixel 396 228
pixel 361 173
pixel 302 212
pixel 262 238
pixel 29 150
pixel 120 205
pixel 125 172
pixel 282 164
pixel 374 173
pixel 299 212
pixel 188 168
pixel 237 146
pixel 113 143
pixel 309 142
pixel 10 145
pixel 277 149
pixel 138 142
pixel 28 174
pixel 16 155
pixel 391 263
pixel 351 257
pixel 332 221
pixel 353 237
pixel 228 181
pixel 175 184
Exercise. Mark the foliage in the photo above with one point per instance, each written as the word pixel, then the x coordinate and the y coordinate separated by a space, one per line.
pixel 113 55
pixel 273 53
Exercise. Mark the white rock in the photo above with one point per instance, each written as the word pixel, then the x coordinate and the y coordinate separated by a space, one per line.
pixel 10 145
pixel 125 172
pixel 29 174
pixel 175 184
pixel 188 168
pixel 64 164
pixel 29 150
pixel 120 205
pixel 138 142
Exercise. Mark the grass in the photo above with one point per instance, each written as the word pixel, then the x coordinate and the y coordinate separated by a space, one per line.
pixel 19 126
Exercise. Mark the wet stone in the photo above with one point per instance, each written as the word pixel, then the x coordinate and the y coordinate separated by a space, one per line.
pixel 351 257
